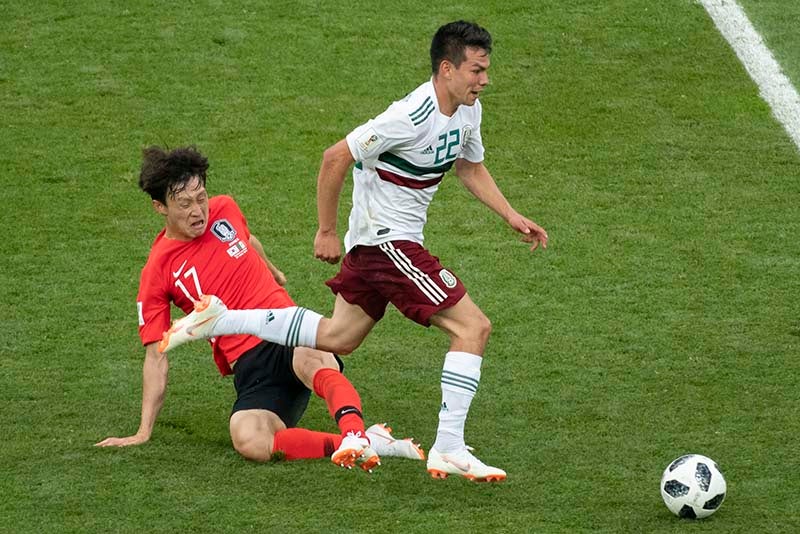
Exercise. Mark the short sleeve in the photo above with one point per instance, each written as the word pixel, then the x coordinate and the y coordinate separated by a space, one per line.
pixel 153 307
pixel 473 150
pixel 391 129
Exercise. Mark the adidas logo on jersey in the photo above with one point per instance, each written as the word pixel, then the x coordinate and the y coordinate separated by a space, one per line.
pixel 427 151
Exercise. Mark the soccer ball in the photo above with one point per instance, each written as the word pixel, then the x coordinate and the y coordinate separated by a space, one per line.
pixel 693 486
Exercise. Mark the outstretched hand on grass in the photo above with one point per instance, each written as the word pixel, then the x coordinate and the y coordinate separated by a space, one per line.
pixel 122 442
pixel 531 232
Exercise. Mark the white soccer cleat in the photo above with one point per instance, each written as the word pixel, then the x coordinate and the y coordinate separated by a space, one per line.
pixel 350 451
pixel 381 439
pixel 462 463
pixel 196 325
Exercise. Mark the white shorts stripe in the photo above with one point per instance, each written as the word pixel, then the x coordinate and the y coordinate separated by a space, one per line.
pixel 415 274
pixel 428 287
pixel 420 279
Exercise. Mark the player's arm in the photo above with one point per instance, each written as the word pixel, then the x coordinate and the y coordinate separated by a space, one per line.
pixel 276 273
pixel 154 386
pixel 336 161
pixel 476 178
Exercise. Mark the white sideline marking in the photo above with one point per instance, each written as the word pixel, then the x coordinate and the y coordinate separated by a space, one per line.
pixel 774 87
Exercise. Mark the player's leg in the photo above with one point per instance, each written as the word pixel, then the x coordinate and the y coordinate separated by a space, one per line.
pixel 273 387
pixel 466 325
pixel 346 329
pixel 257 434
pixel 321 372
pixel 292 327
pixel 468 329
pixel 270 401
pixel 427 293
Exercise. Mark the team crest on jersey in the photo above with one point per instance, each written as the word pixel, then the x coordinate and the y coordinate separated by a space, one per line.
pixel 448 278
pixel 466 133
pixel 224 230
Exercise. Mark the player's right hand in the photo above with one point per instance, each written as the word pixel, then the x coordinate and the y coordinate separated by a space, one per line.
pixel 122 442
pixel 327 247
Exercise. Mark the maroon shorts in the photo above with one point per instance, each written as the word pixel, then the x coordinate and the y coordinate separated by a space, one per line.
pixel 401 272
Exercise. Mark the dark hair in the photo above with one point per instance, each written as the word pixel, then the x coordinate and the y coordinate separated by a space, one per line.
pixel 168 173
pixel 452 40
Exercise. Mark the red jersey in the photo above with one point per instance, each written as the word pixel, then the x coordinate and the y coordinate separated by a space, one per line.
pixel 220 262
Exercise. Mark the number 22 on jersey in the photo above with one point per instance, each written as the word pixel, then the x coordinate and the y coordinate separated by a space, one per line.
pixel 448 141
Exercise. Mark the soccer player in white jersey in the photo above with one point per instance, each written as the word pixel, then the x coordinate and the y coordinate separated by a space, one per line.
pixel 400 158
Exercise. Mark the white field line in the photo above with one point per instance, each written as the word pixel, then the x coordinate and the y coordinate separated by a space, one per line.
pixel 775 88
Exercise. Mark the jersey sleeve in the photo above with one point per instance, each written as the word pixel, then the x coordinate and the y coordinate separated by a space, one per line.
pixel 473 147
pixel 153 307
pixel 390 130
pixel 245 226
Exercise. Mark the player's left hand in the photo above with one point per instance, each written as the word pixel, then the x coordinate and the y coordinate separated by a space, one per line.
pixel 531 232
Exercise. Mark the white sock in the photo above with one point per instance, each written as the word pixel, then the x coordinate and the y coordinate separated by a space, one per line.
pixel 293 327
pixel 460 376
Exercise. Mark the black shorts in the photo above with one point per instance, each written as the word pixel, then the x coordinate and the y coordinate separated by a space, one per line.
pixel 264 380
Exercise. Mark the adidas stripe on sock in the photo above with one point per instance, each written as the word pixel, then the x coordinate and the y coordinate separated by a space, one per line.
pixel 461 374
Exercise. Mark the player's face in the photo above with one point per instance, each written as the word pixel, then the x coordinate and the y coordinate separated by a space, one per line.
pixel 186 212
pixel 470 78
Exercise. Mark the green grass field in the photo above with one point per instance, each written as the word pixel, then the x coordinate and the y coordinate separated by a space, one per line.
pixel 661 320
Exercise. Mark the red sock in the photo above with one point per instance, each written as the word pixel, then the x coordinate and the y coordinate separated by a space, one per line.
pixel 342 399
pixel 299 443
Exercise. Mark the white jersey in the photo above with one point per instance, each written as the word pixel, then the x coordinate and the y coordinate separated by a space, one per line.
pixel 401 156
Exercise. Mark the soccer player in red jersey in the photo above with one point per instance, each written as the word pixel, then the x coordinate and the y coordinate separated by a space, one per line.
pixel 206 247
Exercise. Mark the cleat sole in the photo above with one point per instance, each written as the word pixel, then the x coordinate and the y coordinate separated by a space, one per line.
pixel 370 464
pixel 345 458
pixel 441 475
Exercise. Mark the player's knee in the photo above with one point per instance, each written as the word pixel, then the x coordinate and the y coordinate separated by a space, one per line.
pixel 250 441
pixel 475 330
pixel 253 454
pixel 307 362
pixel 252 449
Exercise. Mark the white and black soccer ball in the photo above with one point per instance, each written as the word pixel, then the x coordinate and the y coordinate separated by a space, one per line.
pixel 693 486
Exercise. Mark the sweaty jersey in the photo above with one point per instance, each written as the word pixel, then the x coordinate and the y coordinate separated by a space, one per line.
pixel 401 156
pixel 220 262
